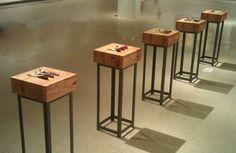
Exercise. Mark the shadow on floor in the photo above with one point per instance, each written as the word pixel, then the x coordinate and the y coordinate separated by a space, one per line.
pixel 228 66
pixel 214 86
pixel 11 3
pixel 189 108
pixel 155 142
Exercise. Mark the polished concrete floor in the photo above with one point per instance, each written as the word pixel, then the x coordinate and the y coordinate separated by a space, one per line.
pixel 62 34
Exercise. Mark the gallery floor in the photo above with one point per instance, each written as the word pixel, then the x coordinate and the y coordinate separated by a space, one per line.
pixel 62 34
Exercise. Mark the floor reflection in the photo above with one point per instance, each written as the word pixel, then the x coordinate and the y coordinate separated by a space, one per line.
pixel 214 86
pixel 155 142
pixel 189 108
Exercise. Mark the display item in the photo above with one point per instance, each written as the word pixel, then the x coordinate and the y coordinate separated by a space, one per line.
pixel 119 48
pixel 192 19
pixel 43 74
pixel 166 31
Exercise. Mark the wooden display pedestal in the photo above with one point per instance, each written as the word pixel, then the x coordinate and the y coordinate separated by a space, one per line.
pixel 163 39
pixel 27 86
pixel 108 56
pixel 189 26
pixel 218 18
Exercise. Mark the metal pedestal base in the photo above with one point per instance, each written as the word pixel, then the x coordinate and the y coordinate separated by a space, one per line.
pixel 213 60
pixel 189 75
pixel 47 123
pixel 162 93
pixel 116 118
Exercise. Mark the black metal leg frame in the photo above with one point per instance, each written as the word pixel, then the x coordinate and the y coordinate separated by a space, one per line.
pixel 213 60
pixel 47 123
pixel 163 94
pixel 189 75
pixel 101 124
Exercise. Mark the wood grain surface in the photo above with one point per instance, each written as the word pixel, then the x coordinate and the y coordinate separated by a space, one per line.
pixel 105 55
pixel 44 90
pixel 214 16
pixel 190 26
pixel 155 37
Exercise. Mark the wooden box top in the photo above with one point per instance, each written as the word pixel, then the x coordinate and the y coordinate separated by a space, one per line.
pixel 109 49
pixel 161 32
pixel 41 82
pixel 160 37
pixel 190 25
pixel 44 90
pixel 108 55
pixel 214 15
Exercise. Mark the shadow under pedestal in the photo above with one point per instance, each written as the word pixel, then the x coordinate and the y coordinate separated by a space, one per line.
pixel 214 86
pixel 190 109
pixel 228 66
pixel 13 2
pixel 155 142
